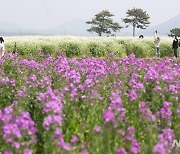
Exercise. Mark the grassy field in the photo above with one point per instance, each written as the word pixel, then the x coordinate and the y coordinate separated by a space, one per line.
pixel 90 46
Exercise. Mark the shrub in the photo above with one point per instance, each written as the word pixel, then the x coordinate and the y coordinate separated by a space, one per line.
pixel 48 48
pixel 70 48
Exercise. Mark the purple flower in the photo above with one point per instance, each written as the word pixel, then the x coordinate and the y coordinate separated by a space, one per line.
pixel 108 116
pixel 1 115
pixel 151 75
pixel 97 129
pixel 8 152
pixel 55 106
pixel 172 88
pixel 121 132
pixel 135 147
pixel 167 77
pixel 134 79
pixel 26 123
pixel 159 149
pixel 16 129
pixel 157 88
pixel 51 120
pixel 46 81
pixel 132 95
pixel 116 105
pixel 146 111
pixel 74 139
pixel 60 140
pixel 16 145
pixel 165 111
pixel 66 146
pixel 131 131
pixel 21 92
pixel 138 86
pixel 84 152
pixel 5 80
pixel 115 99
pixel 13 129
pixel 120 151
pixel 178 111
pixel 165 141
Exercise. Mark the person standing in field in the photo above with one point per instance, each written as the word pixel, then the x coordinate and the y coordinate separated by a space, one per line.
pixel 178 54
pixel 2 48
pixel 175 46
pixel 157 43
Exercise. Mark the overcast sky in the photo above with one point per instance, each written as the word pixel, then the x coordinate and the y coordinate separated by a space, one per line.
pixel 42 14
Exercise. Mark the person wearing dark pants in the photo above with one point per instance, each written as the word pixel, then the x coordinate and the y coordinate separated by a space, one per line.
pixel 175 46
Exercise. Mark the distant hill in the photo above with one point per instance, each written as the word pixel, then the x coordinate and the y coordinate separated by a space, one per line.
pixel 164 28
pixel 78 27
pixel 9 29
pixel 75 27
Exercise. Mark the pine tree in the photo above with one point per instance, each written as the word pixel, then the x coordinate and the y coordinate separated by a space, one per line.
pixel 137 18
pixel 103 23
pixel 175 31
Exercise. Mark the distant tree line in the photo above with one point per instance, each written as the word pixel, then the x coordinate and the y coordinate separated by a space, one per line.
pixel 103 23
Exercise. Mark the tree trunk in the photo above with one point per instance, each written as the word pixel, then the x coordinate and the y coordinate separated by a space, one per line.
pixel 134 30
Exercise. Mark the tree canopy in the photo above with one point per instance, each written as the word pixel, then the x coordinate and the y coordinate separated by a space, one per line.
pixel 103 23
pixel 137 18
pixel 175 31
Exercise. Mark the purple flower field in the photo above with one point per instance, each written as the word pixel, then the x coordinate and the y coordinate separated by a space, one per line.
pixel 89 105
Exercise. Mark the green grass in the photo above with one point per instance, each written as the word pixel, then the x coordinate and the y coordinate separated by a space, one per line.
pixel 89 46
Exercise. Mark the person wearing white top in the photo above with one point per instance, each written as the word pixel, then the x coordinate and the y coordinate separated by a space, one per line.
pixel 2 48
pixel 157 43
